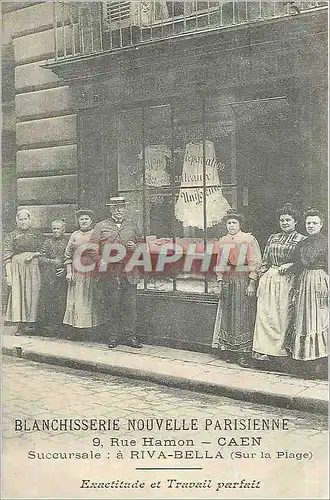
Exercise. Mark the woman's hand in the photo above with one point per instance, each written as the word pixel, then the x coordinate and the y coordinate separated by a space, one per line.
pixel 69 277
pixel 31 256
pixel 251 289
pixel 9 281
pixel 222 289
pixel 294 296
pixel 284 268
pixel 130 245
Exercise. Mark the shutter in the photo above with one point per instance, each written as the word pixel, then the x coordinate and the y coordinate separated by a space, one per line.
pixel 117 14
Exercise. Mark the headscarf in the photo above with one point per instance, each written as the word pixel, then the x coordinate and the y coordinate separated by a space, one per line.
pixel 24 211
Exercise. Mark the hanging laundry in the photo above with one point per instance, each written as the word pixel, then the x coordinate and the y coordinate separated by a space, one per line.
pixel 190 8
pixel 156 158
pixel 151 11
pixel 189 206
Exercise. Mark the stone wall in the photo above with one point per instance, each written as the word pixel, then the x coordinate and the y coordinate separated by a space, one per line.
pixel 43 176
pixel 46 136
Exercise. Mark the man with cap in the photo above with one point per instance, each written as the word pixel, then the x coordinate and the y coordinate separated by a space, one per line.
pixel 119 289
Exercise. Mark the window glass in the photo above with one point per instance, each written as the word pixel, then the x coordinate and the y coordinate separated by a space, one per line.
pixel 203 138
pixel 176 168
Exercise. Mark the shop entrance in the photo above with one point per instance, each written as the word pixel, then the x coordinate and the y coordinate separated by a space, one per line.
pixel 268 159
pixel 256 146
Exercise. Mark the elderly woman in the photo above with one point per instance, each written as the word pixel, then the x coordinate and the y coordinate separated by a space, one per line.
pixel 53 282
pixel 276 288
pixel 21 252
pixel 239 261
pixel 83 306
pixel 308 340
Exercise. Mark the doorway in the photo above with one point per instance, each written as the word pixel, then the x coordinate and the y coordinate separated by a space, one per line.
pixel 268 159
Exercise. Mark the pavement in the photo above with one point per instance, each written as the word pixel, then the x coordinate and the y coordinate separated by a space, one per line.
pixel 174 367
pixel 42 392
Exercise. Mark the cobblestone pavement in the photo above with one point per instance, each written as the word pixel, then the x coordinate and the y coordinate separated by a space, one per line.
pixel 39 391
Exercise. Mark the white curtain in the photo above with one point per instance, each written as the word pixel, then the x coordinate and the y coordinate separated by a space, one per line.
pixel 147 12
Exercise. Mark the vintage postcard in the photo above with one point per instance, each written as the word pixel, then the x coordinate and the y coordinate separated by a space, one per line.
pixel 164 246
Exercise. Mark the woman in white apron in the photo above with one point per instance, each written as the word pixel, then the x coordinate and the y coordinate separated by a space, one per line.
pixel 21 253
pixel 84 304
pixel 308 340
pixel 276 289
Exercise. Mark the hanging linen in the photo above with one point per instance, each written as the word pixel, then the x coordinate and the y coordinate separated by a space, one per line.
pixel 151 11
pixel 190 8
pixel 189 206
pixel 156 158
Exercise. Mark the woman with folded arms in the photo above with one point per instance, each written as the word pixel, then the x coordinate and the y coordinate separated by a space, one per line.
pixel 83 304
pixel 276 289
pixel 21 254
pixel 308 339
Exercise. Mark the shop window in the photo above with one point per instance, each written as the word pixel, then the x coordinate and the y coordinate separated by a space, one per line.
pixel 176 167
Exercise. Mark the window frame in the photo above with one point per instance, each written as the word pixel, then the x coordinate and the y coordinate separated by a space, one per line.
pixel 173 188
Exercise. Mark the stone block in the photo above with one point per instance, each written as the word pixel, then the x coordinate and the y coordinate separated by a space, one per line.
pixel 47 130
pixel 33 75
pixel 39 46
pixel 15 5
pixel 32 18
pixel 54 189
pixel 42 102
pixel 59 159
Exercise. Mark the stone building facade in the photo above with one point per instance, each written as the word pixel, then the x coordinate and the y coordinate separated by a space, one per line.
pixel 62 112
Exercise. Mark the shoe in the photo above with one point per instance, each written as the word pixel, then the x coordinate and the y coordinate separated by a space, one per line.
pixel 244 362
pixel 229 359
pixel 226 356
pixel 319 373
pixel 30 330
pixel 260 357
pixel 133 342
pixel 112 344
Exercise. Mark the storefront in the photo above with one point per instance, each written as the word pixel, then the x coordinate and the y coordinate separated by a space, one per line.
pixel 186 126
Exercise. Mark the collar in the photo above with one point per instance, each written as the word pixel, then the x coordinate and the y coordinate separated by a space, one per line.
pixel 290 233
pixel 235 236
pixel 117 222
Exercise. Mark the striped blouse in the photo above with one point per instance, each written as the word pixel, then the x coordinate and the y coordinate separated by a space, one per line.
pixel 279 249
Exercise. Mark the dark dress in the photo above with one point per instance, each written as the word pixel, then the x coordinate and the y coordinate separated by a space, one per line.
pixel 308 340
pixel 53 287
pixel 233 328
pixel 24 293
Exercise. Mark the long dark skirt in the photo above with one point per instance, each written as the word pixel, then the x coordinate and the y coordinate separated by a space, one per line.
pixel 308 339
pixel 52 299
pixel 234 323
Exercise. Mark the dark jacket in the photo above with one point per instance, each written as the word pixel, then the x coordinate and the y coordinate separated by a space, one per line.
pixel 107 231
